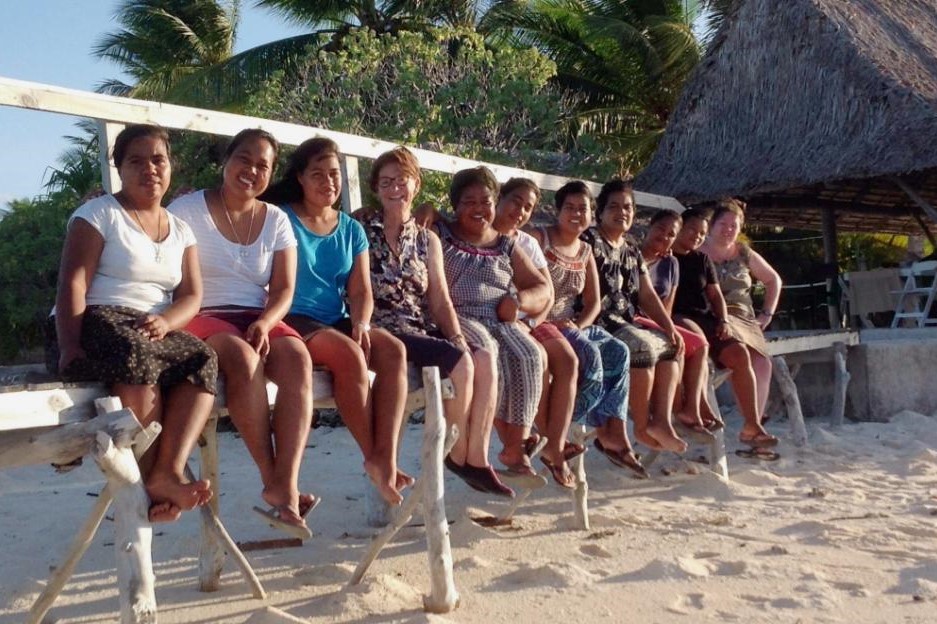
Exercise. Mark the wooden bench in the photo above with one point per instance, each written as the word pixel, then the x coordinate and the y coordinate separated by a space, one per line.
pixel 43 420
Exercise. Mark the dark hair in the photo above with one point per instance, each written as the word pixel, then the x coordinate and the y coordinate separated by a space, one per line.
pixel 399 156
pixel 137 131
pixel 575 187
pixel 729 205
pixel 287 189
pixel 665 213
pixel 248 134
pixel 481 176
pixel 696 213
pixel 515 183
pixel 613 186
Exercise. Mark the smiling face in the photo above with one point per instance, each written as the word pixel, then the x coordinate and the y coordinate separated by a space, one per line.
pixel 516 207
pixel 247 170
pixel 395 188
pixel 145 170
pixel 618 214
pixel 693 233
pixel 475 210
pixel 321 181
pixel 661 235
pixel 726 228
pixel 575 215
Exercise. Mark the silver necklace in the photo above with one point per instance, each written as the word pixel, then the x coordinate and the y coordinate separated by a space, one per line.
pixel 243 251
pixel 157 244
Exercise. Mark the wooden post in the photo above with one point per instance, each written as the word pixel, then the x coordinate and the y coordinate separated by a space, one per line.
pixel 581 493
pixel 401 518
pixel 351 186
pixel 107 133
pixel 830 258
pixel 840 384
pixel 717 454
pixel 443 596
pixel 133 534
pixel 211 552
pixel 791 400
pixel 210 518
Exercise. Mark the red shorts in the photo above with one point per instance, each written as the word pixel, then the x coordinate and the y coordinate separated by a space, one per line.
pixel 692 342
pixel 207 324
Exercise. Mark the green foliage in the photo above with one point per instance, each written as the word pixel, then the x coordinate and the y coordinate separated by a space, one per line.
pixel 444 90
pixel 31 238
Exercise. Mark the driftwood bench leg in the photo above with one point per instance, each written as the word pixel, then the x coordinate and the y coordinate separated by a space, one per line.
pixel 581 493
pixel 840 384
pixel 428 489
pixel 211 552
pixel 133 599
pixel 791 398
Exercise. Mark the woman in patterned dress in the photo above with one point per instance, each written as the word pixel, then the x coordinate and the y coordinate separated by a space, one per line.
pixel 516 202
pixel 624 287
pixel 602 398
pixel 411 300
pixel 128 283
pixel 490 281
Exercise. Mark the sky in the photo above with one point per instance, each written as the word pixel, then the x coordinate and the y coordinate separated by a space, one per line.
pixel 50 41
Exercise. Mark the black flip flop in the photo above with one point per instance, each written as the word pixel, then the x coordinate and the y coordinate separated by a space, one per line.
pixel 759 453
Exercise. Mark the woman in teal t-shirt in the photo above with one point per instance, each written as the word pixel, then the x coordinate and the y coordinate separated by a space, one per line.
pixel 332 310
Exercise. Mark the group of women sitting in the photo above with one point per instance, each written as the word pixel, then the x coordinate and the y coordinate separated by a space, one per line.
pixel 566 323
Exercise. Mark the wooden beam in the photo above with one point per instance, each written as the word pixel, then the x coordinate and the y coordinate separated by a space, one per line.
pixel 925 228
pixel 916 198
pixel 38 96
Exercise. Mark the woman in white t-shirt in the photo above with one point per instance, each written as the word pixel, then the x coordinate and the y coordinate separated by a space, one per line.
pixel 247 254
pixel 128 282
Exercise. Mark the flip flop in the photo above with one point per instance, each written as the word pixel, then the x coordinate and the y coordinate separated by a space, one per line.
pixel 556 470
pixel 534 444
pixel 572 450
pixel 760 440
pixel 483 479
pixel 522 475
pixel 273 516
pixel 623 459
pixel 304 510
pixel 762 454
pixel 695 428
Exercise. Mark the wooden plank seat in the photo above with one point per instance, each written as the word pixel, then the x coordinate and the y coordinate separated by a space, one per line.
pixel 45 420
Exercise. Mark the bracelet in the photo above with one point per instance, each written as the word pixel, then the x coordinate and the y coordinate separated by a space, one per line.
pixel 365 327
pixel 456 338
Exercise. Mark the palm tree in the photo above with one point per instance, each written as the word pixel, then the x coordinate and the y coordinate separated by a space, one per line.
pixel 625 60
pixel 163 44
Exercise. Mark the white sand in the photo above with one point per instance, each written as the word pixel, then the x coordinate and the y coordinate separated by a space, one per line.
pixel 844 531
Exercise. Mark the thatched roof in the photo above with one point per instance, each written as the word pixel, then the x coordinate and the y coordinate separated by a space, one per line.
pixel 802 105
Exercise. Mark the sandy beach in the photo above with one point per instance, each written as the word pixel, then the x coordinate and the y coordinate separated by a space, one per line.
pixel 842 531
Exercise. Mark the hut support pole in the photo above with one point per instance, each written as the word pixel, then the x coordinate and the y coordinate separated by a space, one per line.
pixel 830 259
pixel 925 229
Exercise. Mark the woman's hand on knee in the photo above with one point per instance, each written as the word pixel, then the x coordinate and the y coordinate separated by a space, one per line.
pixel 153 326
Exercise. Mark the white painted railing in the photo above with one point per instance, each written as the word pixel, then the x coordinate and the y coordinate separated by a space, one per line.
pixel 113 112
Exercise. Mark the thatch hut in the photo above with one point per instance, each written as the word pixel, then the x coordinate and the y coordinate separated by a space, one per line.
pixel 810 110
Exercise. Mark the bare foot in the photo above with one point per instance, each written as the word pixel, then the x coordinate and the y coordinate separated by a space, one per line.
pixel 385 482
pixel 403 480
pixel 515 458
pixel 281 499
pixel 689 420
pixel 168 489
pixel 164 512
pixel 645 439
pixel 667 439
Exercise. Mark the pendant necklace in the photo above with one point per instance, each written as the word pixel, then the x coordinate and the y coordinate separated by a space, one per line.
pixel 243 251
pixel 157 244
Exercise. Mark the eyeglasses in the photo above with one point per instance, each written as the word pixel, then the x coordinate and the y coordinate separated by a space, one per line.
pixel 388 182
